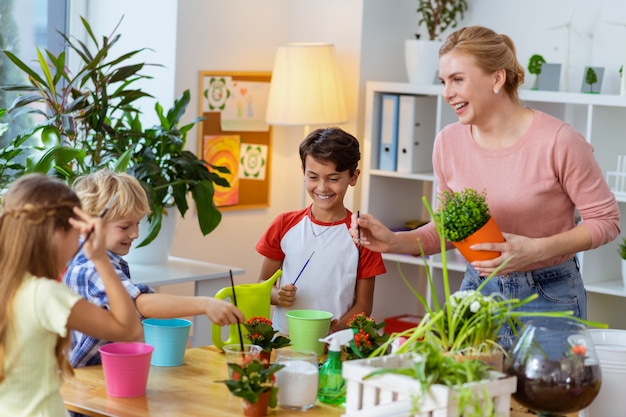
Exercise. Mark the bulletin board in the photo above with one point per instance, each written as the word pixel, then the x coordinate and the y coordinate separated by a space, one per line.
pixel 233 106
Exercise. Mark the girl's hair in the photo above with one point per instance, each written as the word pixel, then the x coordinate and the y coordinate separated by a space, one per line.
pixel 33 209
pixel 332 145
pixel 491 52
pixel 96 190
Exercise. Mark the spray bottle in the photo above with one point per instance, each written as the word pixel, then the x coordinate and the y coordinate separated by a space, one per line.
pixel 332 385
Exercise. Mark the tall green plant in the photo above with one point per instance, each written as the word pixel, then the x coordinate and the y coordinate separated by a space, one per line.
pixel 440 15
pixel 90 121
pixel 159 160
pixel 81 112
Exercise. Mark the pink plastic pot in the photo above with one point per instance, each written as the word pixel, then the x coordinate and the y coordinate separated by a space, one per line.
pixel 126 366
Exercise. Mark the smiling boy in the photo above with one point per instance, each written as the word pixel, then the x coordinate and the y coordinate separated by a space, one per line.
pixel 339 277
pixel 122 226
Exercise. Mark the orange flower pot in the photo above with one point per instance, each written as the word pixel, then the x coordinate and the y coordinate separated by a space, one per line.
pixel 489 233
pixel 259 408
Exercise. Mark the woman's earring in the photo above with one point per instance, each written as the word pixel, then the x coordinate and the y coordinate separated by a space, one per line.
pixel 496 90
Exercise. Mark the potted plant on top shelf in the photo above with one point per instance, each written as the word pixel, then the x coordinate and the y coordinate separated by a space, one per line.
pixel 91 120
pixel 465 220
pixel 422 55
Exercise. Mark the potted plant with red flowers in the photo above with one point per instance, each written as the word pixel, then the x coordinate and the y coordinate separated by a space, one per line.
pixel 260 332
pixel 255 383
pixel 367 336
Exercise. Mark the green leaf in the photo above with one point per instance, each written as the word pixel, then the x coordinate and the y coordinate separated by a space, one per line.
pixel 209 216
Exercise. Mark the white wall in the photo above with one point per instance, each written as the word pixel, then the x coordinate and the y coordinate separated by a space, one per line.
pixel 368 35
pixel 244 35
pixel 156 35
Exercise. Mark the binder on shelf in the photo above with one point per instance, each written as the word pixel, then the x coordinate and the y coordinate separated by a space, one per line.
pixel 416 133
pixel 387 158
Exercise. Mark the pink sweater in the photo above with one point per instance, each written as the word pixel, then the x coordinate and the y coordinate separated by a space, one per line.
pixel 533 186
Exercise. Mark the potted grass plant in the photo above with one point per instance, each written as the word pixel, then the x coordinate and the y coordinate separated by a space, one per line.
pixel 465 220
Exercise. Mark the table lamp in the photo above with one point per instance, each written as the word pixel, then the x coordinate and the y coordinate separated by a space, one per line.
pixel 305 88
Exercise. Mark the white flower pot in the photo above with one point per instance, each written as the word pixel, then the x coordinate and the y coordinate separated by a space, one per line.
pixel 157 251
pixel 610 345
pixel 421 58
pixel 393 394
pixel 624 272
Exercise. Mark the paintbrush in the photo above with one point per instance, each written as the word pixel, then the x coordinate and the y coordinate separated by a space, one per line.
pixel 232 285
pixel 302 270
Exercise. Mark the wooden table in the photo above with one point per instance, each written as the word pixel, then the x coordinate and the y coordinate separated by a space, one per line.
pixel 187 390
pixel 208 278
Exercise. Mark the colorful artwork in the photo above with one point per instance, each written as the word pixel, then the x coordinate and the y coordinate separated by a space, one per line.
pixel 253 161
pixel 224 150
pixel 217 93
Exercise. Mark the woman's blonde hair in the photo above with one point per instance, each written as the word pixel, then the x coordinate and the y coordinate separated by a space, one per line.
pixel 32 210
pixel 492 52
pixel 96 190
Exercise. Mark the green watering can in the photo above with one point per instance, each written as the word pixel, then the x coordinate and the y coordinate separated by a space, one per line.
pixel 253 300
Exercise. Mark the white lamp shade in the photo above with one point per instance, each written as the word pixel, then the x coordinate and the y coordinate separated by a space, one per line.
pixel 305 87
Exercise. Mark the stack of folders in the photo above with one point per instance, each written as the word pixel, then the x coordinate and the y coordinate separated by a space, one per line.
pixel 407 132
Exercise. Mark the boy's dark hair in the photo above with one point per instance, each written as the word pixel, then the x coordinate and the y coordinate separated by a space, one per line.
pixel 332 145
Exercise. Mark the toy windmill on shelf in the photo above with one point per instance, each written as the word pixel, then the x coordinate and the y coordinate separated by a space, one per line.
pixel 617 179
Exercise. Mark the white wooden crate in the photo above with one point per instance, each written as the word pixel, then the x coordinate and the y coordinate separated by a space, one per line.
pixel 389 395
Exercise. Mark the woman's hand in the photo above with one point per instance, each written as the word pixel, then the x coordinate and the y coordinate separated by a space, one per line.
pixel 370 232
pixel 521 250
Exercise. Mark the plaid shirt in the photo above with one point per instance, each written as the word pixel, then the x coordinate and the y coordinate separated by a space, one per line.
pixel 81 276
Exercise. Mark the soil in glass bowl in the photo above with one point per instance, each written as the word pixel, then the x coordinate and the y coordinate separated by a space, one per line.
pixel 552 386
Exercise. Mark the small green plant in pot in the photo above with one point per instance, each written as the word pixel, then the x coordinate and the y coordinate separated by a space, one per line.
pixel 462 214
pixel 622 254
pixel 252 380
pixel 534 67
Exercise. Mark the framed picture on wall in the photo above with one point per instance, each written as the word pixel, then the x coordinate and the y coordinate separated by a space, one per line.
pixel 234 134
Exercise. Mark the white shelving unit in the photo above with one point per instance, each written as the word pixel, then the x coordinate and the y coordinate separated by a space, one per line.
pixel 395 197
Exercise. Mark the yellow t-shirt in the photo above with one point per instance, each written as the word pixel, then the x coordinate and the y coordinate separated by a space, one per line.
pixel 32 382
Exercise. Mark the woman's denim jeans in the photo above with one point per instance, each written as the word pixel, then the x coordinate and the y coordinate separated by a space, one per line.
pixel 560 288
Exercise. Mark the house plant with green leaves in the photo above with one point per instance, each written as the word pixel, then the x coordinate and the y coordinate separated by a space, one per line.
pixel 260 332
pixel 462 215
pixel 89 119
pixel 437 16
pixel 252 380
pixel 421 52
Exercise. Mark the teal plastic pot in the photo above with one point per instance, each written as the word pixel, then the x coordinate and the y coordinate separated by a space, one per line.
pixel 169 339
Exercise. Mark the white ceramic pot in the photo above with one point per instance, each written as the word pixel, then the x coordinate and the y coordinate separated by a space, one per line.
pixel 624 272
pixel 157 251
pixel 421 58
pixel 610 345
